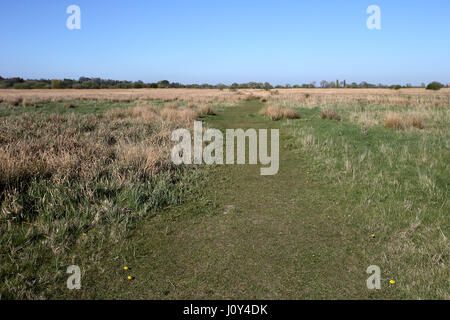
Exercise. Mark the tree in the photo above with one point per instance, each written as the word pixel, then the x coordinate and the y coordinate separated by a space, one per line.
pixel 57 84
pixel 323 84
pixel 221 86
pixel 267 86
pixel 163 84
pixel 435 86
pixel 138 85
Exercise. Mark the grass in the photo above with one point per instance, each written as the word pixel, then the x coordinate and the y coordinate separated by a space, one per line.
pixel 308 234
pixel 79 179
pixel 94 189
pixel 403 121
pixel 276 113
pixel 395 184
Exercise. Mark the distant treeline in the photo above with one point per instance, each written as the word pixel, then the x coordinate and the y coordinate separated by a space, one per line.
pixel 97 83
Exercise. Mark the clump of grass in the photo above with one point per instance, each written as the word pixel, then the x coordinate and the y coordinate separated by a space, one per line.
pixel 276 113
pixel 401 121
pixel 415 120
pixel 327 114
pixel 143 157
pixel 206 110
pixel 175 116
pixel 172 105
pixel 272 112
pixel 68 105
pixel 188 115
pixel 147 113
pixel 170 114
pixel 13 101
pixel 28 102
pixel 290 114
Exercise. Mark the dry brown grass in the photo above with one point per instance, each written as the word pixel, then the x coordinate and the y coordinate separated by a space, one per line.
pixel 68 105
pixel 172 105
pixel 327 114
pixel 275 113
pixel 290 114
pixel 272 112
pixel 179 115
pixel 12 100
pixel 28 102
pixel 206 110
pixel 193 97
pixel 80 145
pixel 144 157
pixel 415 120
pixel 400 121
pixel 393 120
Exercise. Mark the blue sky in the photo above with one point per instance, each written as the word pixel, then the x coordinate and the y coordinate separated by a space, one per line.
pixel 227 41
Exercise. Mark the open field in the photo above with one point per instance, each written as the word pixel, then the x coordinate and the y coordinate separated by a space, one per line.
pixel 86 179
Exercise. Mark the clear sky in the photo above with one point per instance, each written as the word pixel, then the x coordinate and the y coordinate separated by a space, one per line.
pixel 229 41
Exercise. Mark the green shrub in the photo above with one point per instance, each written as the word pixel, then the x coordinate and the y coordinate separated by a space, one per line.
pixel 435 86
pixel 57 84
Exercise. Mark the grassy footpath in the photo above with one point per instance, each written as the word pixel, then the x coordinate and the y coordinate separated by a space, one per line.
pixel 88 183
pixel 287 236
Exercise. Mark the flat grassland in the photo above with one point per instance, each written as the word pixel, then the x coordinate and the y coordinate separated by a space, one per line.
pixel 86 179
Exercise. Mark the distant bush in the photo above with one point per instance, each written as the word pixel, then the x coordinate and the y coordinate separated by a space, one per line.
pixel 435 86
pixel 396 87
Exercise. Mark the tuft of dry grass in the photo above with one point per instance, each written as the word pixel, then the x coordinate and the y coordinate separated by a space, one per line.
pixel 172 105
pixel 68 105
pixel 146 113
pixel 415 120
pixel 401 121
pixel 188 115
pixel 272 112
pixel 28 102
pixel 143 157
pixel 327 114
pixel 393 120
pixel 13 101
pixel 290 114
pixel 206 110
pixel 176 116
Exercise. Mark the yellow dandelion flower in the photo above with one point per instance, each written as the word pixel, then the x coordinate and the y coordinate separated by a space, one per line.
pixel 372 235
pixel 392 282
pixel 130 278
pixel 84 234
pixel 125 268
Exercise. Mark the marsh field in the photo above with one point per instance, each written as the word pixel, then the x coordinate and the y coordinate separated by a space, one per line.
pixel 86 179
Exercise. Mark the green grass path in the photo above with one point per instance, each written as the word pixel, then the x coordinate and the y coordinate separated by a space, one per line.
pixel 287 237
